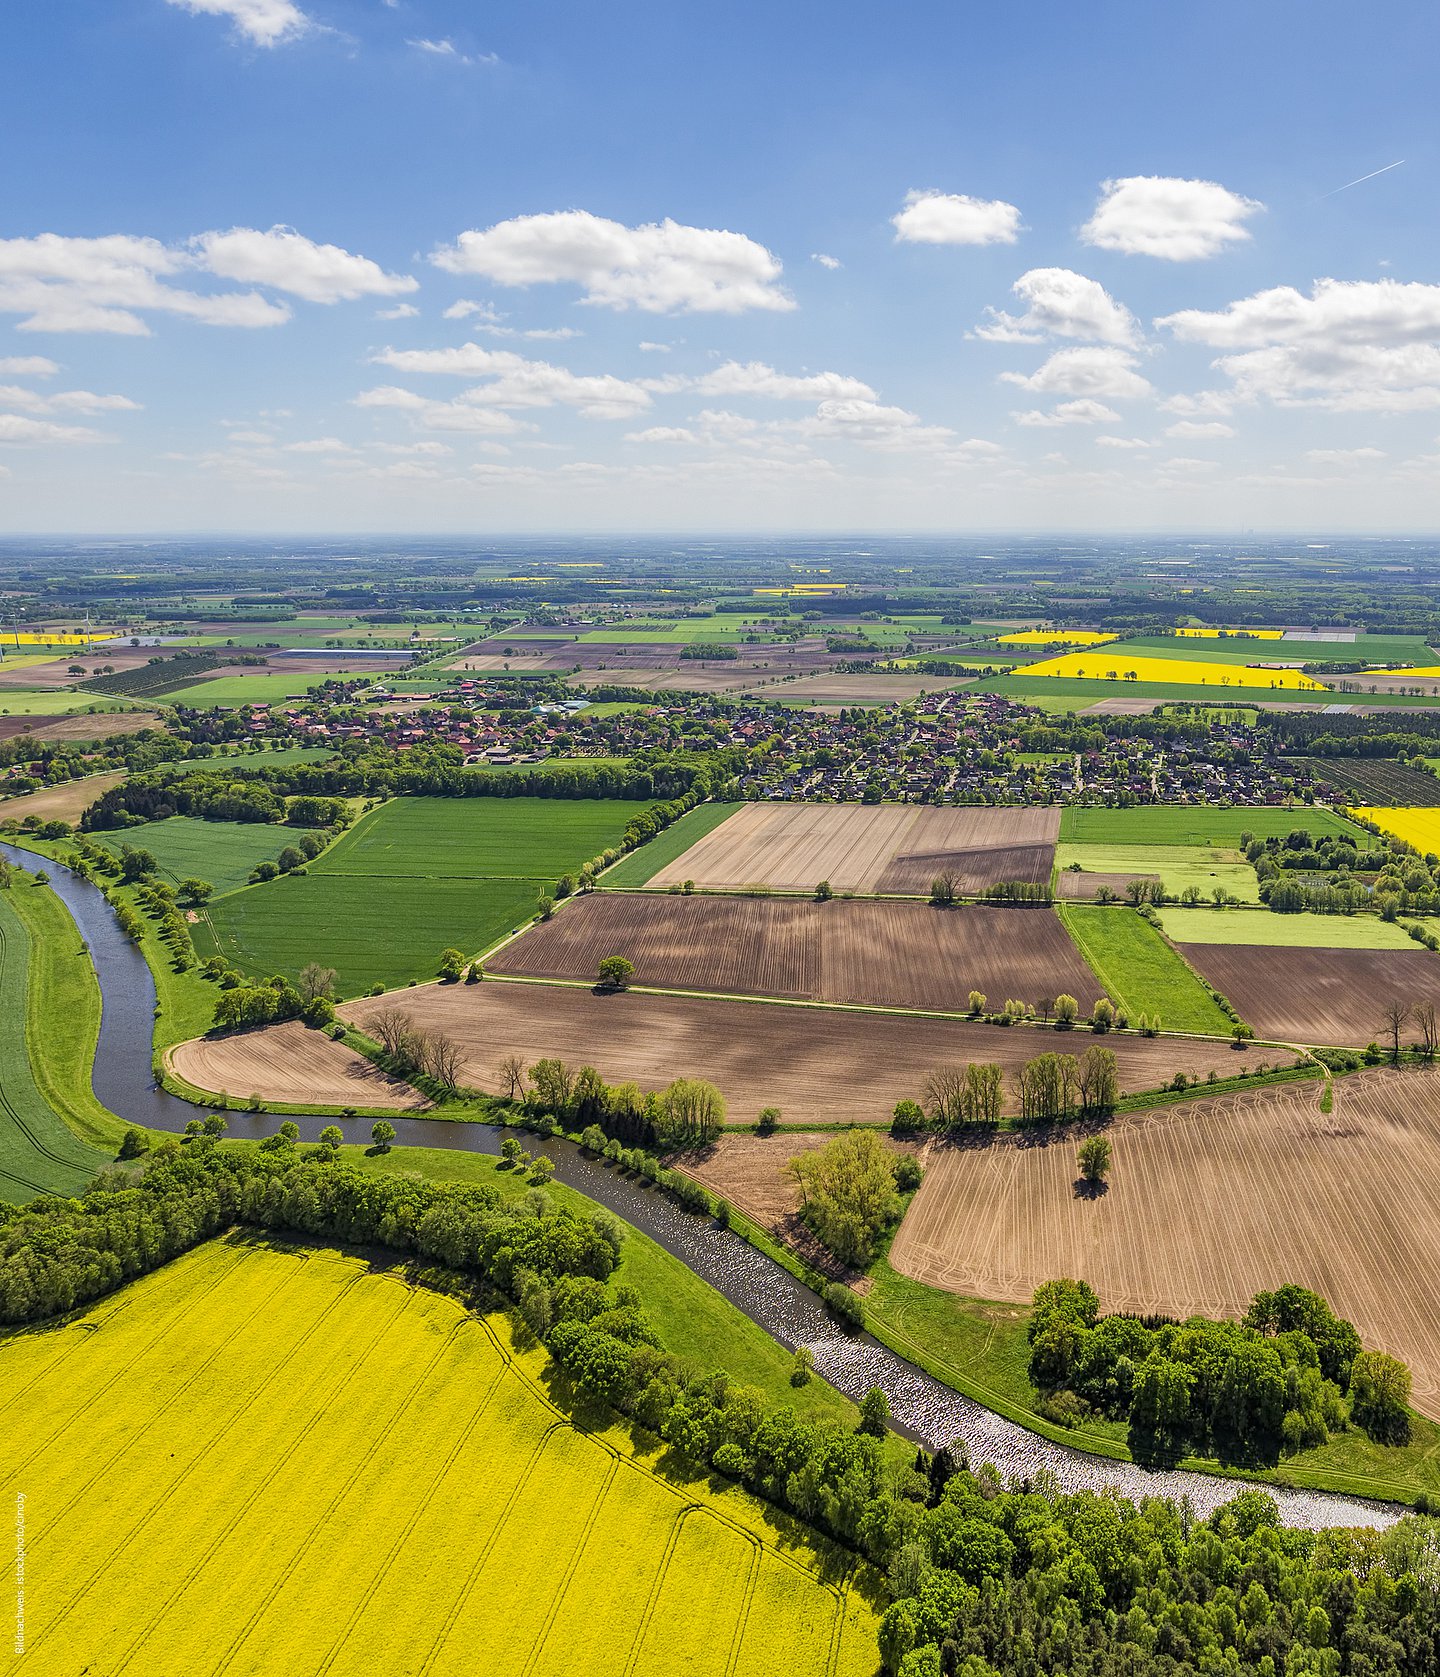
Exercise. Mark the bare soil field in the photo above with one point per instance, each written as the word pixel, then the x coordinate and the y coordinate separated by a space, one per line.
pixel 60 803
pixel 291 1064
pixel 57 672
pixel 1209 1203
pixel 1327 996
pixel 1082 887
pixel 81 726
pixel 827 688
pixel 818 1066
pixel 868 848
pixel 886 954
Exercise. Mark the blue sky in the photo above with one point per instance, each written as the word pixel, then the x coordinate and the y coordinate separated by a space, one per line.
pixel 428 266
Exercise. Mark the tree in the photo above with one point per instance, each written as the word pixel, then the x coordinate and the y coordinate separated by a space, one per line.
pixel 1094 1159
pixel 1102 1015
pixel 983 1094
pixel 544 907
pixel 849 1190
pixel 908 1115
pixel 1380 1396
pixel 1099 1079
pixel 512 1075
pixel 452 965
pixel 977 1003
pixel 692 1112
pixel 616 972
pixel 316 981
pixel 769 1118
pixel 332 1137
pixel 1395 1015
pixel 943 890
pixel 1067 1010
pixel 942 1096
pixel 1429 1032
pixel 382 1133
pixel 195 891
pixel 553 1083
pixel 289 859
pixel 823 891
pixel 134 1143
pixel 875 1413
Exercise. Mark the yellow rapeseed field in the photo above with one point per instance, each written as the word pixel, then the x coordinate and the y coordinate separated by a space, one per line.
pixel 1420 827
pixel 256 1462
pixel 1247 634
pixel 1118 665
pixel 1054 637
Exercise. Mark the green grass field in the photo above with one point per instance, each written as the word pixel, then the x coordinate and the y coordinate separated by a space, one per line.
pixel 1260 928
pixel 479 838
pixel 1141 970
pixel 235 690
pixel 49 1022
pixel 1178 865
pixel 51 701
pixel 223 763
pixel 411 878
pixel 224 852
pixel 1373 649
pixel 1193 825
pixel 641 866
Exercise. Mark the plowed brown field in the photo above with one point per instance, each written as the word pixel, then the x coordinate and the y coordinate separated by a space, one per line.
pixel 887 954
pixel 1317 995
pixel 817 1065
pixel 292 1064
pixel 1210 1203
pixel 885 848
pixel 66 802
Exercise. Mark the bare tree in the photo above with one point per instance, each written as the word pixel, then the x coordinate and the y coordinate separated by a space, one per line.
pixel 1429 1031
pixel 444 1061
pixel 943 1096
pixel 316 980
pixel 1394 1016
pixel 392 1027
pixel 512 1075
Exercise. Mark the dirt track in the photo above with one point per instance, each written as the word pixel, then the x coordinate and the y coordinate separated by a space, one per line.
pixel 896 848
pixel 291 1064
pixel 1210 1203
pixel 1328 996
pixel 886 954
pixel 817 1065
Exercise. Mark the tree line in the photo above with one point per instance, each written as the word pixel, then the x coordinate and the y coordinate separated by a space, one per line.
pixel 1049 1089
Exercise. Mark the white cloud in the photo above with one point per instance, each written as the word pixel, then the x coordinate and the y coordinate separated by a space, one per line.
pixel 1198 428
pixel 1177 220
pixel 484 313
pixel 1062 304
pixel 287 261
pixel 459 415
pixel 319 445
pixel 1200 401
pixel 1186 463
pixel 955 218
pixel 446 48
pixel 831 262
pixel 664 434
pixel 1082 412
pixel 266 23
pixel 1084 372
pixel 1358 345
pixel 653 349
pixel 251 439
pixel 516 382
pixel 64 401
pixel 754 378
pixel 401 311
pixel 1344 456
pixel 659 268
pixel 16 429
pixel 1122 442
pixel 100 285
pixel 432 449
pixel 551 334
pixel 28 366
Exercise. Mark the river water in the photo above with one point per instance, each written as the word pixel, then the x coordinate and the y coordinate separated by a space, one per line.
pixel 921 1407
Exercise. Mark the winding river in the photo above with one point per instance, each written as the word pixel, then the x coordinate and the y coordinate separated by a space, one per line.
pixel 921 1407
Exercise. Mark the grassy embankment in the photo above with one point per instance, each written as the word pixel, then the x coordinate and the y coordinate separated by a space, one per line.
pixel 1140 969
pixel 641 866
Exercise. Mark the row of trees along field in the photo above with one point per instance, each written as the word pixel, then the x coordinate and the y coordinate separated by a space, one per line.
pixel 1283 1379
pixel 1050 1089
pixel 986 1580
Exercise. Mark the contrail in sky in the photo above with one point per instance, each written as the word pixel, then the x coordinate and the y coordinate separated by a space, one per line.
pixel 1370 177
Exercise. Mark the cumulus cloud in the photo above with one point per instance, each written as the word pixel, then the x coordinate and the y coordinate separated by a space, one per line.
pixel 516 382
pixel 106 284
pixel 458 415
pixel 28 366
pixel 1199 428
pixel 401 311
pixel 831 262
pixel 1177 220
pixel 1365 345
pixel 319 445
pixel 1344 456
pixel 1096 372
pixel 1122 442
pixel 17 428
pixel 955 218
pixel 1061 304
pixel 1082 412
pixel 287 261
pixel 64 401
pixel 265 23
pixel 659 268
pixel 754 378
pixel 446 48
pixel 653 348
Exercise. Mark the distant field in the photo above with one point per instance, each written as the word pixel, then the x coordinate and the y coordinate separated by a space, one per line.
pixel 640 866
pixel 66 802
pixel 1208 1204
pixel 302 1067
pixel 884 954
pixel 1370 649
pixel 1141 971
pixel 235 690
pixel 1194 824
pixel 1177 866
pixel 1258 927
pixel 242 760
pixel 1375 780
pixel 413 877
pixel 380 1528
pixel 892 849
pixel 222 852
pixel 1119 660
pixel 50 701
pixel 1055 637
pixel 1068 694
pixel 1419 827
pixel 1328 996
pixel 479 838
pixel 818 1065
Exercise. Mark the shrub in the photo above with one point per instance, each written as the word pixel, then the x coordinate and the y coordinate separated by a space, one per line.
pixel 848 1306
